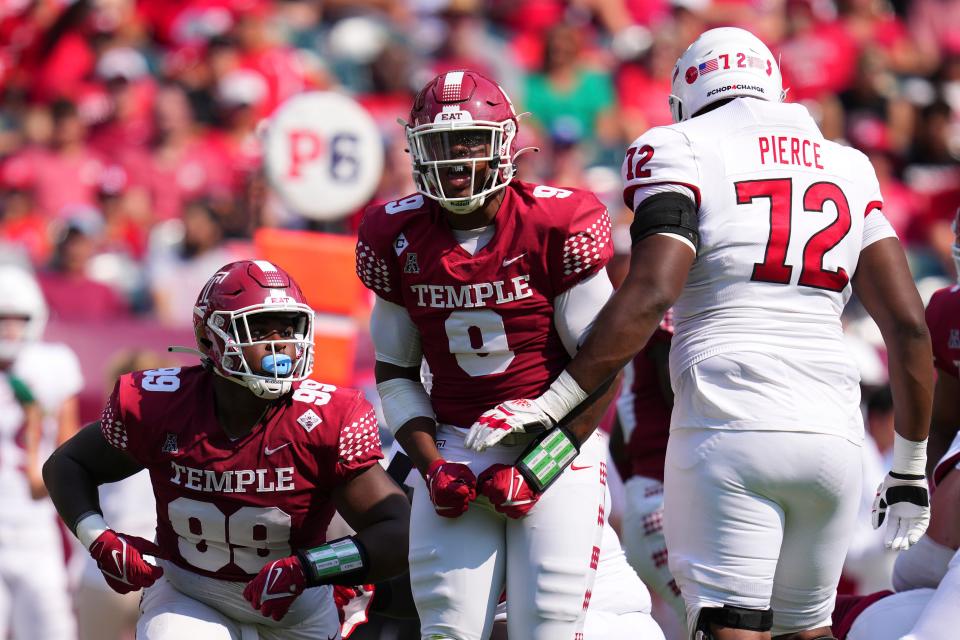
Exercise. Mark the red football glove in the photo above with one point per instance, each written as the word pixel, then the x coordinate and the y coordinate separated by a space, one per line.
pixel 275 588
pixel 452 487
pixel 120 560
pixel 507 491
pixel 353 605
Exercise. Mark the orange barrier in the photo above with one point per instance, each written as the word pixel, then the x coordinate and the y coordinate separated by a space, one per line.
pixel 323 266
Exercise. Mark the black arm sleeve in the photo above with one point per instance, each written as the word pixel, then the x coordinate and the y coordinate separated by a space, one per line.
pixel 80 465
pixel 666 213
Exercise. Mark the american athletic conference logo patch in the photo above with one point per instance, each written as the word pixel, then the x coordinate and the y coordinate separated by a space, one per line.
pixel 309 420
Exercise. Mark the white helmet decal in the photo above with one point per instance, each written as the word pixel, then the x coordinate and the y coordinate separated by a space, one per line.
pixel 723 63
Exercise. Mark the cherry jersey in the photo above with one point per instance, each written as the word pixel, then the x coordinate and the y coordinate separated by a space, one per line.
pixel 783 216
pixel 226 507
pixel 485 320
pixel 643 411
pixel 943 321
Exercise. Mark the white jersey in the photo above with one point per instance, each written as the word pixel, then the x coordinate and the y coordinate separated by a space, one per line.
pixel 783 216
pixel 34 365
pixel 17 507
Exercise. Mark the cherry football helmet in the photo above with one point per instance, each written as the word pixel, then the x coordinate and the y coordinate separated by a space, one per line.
pixel 20 297
pixel 725 62
pixel 460 120
pixel 221 320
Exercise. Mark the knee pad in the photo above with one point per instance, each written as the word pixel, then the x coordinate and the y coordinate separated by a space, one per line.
pixel 732 617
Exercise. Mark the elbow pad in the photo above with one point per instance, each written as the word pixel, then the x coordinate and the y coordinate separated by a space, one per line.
pixel 403 400
pixel 666 213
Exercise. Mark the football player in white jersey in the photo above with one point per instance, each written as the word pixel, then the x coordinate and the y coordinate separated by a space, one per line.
pixel 33 583
pixel 757 230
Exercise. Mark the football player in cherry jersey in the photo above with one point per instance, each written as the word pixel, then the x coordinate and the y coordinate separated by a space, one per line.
pixel 638 444
pixel 943 320
pixel 493 283
pixel 756 230
pixel 248 458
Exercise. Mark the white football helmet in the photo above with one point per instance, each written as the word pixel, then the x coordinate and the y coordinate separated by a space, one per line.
pixel 723 63
pixel 20 297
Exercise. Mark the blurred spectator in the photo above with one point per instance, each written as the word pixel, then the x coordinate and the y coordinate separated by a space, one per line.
pixel 933 172
pixel 181 163
pixel 128 98
pixel 70 292
pixel 818 56
pixel 935 27
pixel 873 96
pixel 874 26
pixel 64 173
pixel 178 271
pixel 21 222
pixel 569 98
pixel 644 83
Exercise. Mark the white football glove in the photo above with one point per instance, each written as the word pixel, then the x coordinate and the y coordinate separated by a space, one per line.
pixel 903 501
pixel 512 416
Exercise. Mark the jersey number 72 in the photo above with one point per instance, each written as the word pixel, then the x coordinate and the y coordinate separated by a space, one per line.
pixel 779 191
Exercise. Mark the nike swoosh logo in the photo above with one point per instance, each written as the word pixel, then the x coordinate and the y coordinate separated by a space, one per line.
pixel 269 452
pixel 273 579
pixel 574 467
pixel 508 262
pixel 118 560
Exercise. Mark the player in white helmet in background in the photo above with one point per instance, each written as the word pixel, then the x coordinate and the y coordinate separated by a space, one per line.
pixel 757 230
pixel 34 602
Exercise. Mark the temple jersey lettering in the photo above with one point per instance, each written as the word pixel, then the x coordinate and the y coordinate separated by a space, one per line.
pixel 783 217
pixel 486 320
pixel 227 507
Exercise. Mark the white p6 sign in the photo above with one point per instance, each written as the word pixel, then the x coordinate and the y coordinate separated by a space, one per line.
pixel 324 155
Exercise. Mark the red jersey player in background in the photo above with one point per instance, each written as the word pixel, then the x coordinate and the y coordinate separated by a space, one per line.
pixel 638 445
pixel 494 283
pixel 248 460
pixel 943 320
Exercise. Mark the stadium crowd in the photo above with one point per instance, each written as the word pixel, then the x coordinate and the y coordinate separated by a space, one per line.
pixel 131 132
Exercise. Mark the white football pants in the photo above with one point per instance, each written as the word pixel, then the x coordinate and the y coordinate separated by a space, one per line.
pixel 546 561
pixel 760 519
pixel 216 610
pixel 34 604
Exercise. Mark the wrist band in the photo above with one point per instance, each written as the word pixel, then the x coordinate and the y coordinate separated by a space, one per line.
pixel 561 397
pixel 546 458
pixel 89 527
pixel 342 561
pixel 909 457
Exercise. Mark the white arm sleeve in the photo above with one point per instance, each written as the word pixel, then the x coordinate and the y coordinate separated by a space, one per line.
pixel 575 309
pixel 876 227
pixel 396 341
pixel 396 338
pixel 941 613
